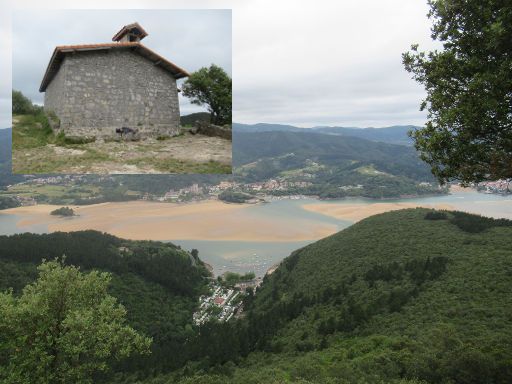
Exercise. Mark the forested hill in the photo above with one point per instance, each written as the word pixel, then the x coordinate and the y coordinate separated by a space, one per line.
pixel 328 150
pixel 408 296
pixel 157 283
pixel 396 134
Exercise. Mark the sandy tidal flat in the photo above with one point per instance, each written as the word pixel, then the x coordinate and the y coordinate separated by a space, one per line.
pixel 208 220
pixel 358 211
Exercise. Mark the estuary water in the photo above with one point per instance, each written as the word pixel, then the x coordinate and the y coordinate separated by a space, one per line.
pixel 259 256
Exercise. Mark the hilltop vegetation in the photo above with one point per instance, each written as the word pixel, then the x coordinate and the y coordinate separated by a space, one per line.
pixel 158 284
pixel 410 296
pixel 63 328
pixel 63 211
pixel 395 298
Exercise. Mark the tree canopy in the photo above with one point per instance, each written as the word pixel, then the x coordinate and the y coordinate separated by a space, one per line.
pixel 23 105
pixel 211 87
pixel 63 211
pixel 63 328
pixel 468 135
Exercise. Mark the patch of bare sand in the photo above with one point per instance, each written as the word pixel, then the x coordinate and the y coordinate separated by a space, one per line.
pixel 459 188
pixel 208 220
pixel 358 211
pixel 211 149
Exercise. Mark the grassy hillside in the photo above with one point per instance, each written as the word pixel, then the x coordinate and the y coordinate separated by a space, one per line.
pixel 406 296
pixel 156 282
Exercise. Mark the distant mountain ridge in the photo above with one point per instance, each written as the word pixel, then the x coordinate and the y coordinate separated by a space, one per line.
pixel 328 149
pixel 5 150
pixel 315 163
pixel 193 117
pixel 396 134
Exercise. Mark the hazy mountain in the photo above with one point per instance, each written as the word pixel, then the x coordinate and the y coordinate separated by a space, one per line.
pixel 264 127
pixel 5 146
pixel 397 134
pixel 6 157
pixel 332 150
pixel 193 117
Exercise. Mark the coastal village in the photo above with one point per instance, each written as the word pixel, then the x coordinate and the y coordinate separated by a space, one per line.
pixel 224 303
pixel 194 192
pixel 272 189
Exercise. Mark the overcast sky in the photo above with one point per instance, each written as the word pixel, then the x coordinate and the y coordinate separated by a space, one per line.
pixel 189 38
pixel 297 62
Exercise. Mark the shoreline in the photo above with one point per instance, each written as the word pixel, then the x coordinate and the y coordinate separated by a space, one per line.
pixel 358 211
pixel 204 220
pixel 212 219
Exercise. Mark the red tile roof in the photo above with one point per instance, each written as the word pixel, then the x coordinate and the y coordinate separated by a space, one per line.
pixel 60 52
pixel 119 35
pixel 218 300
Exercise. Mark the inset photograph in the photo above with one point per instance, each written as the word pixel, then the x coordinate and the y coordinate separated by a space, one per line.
pixel 122 92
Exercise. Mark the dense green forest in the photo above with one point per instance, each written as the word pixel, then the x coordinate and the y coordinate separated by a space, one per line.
pixel 63 211
pixel 402 297
pixel 231 196
pixel 410 296
pixel 158 283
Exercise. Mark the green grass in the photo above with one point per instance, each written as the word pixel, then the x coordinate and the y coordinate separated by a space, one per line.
pixel 180 166
pixel 31 131
pixel 45 162
pixel 52 194
pixel 369 170
pixel 34 151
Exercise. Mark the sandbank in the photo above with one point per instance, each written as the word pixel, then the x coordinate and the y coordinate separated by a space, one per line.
pixel 205 220
pixel 358 211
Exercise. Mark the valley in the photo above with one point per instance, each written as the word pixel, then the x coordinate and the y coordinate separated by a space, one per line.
pixel 377 299
pixel 252 237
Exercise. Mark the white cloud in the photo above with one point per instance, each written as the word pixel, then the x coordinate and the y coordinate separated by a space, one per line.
pixel 302 62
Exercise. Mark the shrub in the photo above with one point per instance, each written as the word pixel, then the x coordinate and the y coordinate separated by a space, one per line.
pixel 436 215
pixel 63 211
